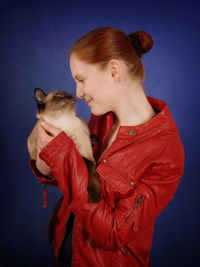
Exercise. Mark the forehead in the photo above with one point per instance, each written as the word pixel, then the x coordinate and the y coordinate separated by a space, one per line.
pixel 79 67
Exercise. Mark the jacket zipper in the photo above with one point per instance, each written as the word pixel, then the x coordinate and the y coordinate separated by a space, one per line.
pixel 136 206
pixel 138 201
pixel 135 220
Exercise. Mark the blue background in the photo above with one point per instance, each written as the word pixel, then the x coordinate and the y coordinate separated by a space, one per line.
pixel 35 41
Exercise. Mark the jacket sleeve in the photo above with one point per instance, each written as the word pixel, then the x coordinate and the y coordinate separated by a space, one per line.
pixel 110 226
pixel 40 176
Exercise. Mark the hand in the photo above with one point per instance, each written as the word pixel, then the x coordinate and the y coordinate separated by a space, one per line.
pixel 46 133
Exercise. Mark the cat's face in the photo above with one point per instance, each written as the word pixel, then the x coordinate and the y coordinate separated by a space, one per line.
pixel 54 102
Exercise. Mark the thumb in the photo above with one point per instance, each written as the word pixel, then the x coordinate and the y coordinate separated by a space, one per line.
pixel 51 130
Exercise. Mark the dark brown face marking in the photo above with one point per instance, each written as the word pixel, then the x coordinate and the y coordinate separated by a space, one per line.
pixel 60 100
pixel 54 101
pixel 40 99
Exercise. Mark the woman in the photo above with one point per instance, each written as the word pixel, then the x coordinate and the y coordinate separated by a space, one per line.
pixel 138 150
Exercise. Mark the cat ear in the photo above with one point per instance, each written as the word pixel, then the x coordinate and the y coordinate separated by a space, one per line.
pixel 40 99
pixel 39 95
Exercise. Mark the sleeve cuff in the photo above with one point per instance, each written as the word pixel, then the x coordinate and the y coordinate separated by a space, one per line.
pixel 50 152
pixel 43 178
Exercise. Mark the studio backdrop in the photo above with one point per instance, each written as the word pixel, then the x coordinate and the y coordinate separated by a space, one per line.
pixel 35 42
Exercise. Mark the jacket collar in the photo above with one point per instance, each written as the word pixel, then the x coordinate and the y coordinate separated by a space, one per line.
pixel 162 121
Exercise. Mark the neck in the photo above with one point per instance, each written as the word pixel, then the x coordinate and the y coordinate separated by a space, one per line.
pixel 133 107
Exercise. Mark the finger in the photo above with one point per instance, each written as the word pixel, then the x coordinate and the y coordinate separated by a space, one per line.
pixel 43 138
pixel 42 132
pixel 52 131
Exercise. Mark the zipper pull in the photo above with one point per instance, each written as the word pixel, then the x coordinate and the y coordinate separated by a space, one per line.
pixel 135 220
pixel 138 201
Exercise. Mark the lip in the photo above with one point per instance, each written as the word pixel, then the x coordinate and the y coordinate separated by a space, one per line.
pixel 88 101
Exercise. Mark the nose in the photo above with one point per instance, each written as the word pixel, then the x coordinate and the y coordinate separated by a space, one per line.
pixel 79 92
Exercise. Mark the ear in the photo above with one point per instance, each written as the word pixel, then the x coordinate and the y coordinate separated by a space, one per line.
pixel 40 99
pixel 114 68
pixel 39 95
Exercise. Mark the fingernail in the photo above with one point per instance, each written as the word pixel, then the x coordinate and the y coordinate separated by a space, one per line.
pixel 42 123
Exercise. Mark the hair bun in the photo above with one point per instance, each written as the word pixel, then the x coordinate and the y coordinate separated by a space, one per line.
pixel 141 41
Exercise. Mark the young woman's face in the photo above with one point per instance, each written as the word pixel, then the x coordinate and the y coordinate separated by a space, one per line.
pixel 94 85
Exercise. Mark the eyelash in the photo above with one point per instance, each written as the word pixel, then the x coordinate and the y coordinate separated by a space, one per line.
pixel 80 81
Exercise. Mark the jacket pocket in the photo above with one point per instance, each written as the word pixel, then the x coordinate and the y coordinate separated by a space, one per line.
pixel 115 177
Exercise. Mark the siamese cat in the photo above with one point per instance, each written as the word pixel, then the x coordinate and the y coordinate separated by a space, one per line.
pixel 58 109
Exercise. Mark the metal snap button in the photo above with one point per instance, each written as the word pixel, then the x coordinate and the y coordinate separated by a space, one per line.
pixel 104 161
pixel 132 183
pixel 131 132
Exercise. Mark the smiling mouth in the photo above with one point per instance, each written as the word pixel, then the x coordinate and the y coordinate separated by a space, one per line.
pixel 89 101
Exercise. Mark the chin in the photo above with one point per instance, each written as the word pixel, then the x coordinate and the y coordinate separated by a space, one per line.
pixel 98 112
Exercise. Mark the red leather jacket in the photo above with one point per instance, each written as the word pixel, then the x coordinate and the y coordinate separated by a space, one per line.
pixel 139 174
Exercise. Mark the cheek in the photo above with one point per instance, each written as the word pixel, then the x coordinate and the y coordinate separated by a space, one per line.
pixel 106 92
pixel 99 88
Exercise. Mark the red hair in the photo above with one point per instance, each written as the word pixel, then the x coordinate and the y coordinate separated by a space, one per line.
pixel 103 44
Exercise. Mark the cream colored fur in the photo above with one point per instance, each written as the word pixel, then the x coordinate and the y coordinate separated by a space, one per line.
pixel 71 125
